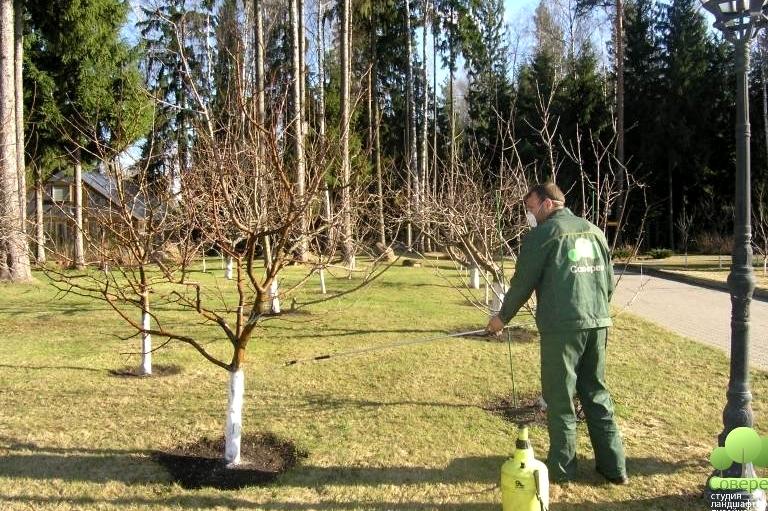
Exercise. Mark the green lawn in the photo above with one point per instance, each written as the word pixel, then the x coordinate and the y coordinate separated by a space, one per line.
pixel 397 429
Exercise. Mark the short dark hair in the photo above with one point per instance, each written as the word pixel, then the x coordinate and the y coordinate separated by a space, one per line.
pixel 548 190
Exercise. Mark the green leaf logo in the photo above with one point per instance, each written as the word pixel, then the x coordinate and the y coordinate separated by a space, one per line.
pixel 742 445
pixel 583 250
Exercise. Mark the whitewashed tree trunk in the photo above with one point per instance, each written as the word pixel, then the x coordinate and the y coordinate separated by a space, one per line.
pixel 204 268
pixel 234 429
pixel 498 290
pixel 274 295
pixel 230 267
pixel 322 282
pixel 474 277
pixel 146 344
pixel 79 245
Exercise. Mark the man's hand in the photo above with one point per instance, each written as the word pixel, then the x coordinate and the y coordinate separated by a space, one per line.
pixel 495 325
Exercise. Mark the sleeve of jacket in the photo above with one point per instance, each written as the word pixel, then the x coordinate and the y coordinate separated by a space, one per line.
pixel 608 266
pixel 528 269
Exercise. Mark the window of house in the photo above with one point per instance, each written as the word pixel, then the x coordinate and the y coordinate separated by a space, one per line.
pixel 60 193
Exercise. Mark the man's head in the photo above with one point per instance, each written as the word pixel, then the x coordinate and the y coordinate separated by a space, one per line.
pixel 544 199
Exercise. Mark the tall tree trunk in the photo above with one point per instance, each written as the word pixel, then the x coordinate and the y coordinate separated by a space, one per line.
pixel 39 226
pixel 21 167
pixel 763 77
pixel 423 165
pixel 320 45
pixel 621 175
pixel 14 255
pixel 434 115
pixel 261 118
pixel 79 245
pixel 413 170
pixel 451 120
pixel 377 133
pixel 298 122
pixel 671 221
pixel 349 255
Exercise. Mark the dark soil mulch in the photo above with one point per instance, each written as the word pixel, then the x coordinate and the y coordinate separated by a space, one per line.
pixel 525 410
pixel 158 371
pixel 200 464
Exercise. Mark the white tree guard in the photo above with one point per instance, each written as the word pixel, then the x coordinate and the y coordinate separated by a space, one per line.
pixel 474 278
pixel 229 268
pixel 204 268
pixel 234 429
pixel 146 345
pixel 274 294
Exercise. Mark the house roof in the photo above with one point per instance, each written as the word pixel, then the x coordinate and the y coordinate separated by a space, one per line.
pixel 106 186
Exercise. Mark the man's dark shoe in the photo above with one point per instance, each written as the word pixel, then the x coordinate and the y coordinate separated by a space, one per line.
pixel 622 479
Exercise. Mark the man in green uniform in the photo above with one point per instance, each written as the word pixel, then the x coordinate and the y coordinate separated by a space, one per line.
pixel 565 259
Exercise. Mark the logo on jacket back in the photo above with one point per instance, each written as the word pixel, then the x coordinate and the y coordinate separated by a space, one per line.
pixel 583 250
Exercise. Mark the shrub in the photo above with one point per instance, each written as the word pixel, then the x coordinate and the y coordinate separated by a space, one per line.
pixel 624 252
pixel 713 243
pixel 660 253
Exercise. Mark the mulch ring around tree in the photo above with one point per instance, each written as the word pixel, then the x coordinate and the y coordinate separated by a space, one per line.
pixel 201 464
pixel 158 370
pixel 528 409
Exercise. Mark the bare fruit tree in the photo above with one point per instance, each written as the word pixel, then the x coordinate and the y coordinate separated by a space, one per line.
pixel 240 196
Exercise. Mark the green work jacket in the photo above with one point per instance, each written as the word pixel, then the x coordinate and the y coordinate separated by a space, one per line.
pixel 566 261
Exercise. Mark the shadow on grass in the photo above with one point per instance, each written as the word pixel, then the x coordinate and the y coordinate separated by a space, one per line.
pixel 48 368
pixel 191 501
pixel 129 467
pixel 208 502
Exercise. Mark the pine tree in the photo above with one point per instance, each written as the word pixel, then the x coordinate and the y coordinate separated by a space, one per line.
pixel 97 95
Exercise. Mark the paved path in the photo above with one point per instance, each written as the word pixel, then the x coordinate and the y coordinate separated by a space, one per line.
pixel 696 312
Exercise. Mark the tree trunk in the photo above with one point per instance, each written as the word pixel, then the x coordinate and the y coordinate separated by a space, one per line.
pixel 413 170
pixel 14 255
pixel 230 266
pixel 423 166
pixel 377 135
pixel 234 429
pixel 349 255
pixel 39 225
pixel 261 116
pixel 79 245
pixel 146 338
pixel 21 167
pixel 451 122
pixel 298 123
pixel 671 224
pixel 621 174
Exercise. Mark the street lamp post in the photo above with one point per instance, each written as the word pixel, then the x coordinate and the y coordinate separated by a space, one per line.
pixel 739 21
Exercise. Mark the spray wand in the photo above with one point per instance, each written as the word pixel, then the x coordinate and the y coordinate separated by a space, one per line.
pixel 352 353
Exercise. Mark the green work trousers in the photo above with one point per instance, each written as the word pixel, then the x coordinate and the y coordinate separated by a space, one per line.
pixel 574 363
